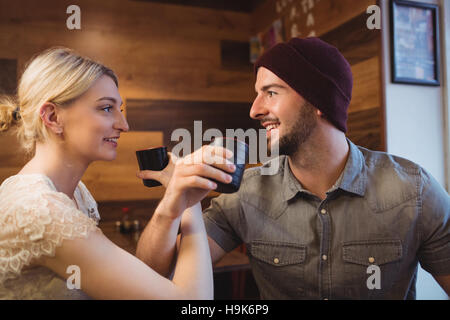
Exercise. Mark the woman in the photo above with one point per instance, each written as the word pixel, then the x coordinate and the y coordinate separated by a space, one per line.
pixel 68 115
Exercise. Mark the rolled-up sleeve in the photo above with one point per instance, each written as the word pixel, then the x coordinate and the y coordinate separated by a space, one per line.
pixel 434 252
pixel 222 221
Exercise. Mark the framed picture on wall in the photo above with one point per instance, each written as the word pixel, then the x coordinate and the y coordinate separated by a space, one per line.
pixel 415 43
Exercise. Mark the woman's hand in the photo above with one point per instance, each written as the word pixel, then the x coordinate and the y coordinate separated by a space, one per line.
pixel 163 176
pixel 188 179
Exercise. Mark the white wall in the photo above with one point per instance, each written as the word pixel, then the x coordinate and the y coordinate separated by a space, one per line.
pixel 445 31
pixel 417 124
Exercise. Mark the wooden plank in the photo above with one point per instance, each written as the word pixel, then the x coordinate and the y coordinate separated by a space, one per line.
pixel 8 76
pixel 169 115
pixel 6 172
pixel 235 55
pixel 12 156
pixel 354 40
pixel 165 52
pixel 111 16
pixel 366 85
pixel 137 50
pixel 229 5
pixel 146 71
pixel 116 180
pixel 364 128
pixel 327 15
pixel 189 84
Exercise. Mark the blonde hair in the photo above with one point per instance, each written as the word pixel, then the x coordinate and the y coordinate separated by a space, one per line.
pixel 57 75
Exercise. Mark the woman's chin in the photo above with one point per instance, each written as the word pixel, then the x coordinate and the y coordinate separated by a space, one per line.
pixel 108 156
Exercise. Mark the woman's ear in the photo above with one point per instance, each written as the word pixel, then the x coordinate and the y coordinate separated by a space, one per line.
pixel 51 118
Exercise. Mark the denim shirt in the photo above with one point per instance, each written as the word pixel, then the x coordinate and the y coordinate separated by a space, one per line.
pixel 364 241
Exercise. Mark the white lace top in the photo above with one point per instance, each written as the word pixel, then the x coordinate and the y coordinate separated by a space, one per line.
pixel 34 220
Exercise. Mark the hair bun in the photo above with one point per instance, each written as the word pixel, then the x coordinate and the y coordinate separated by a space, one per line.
pixel 9 113
pixel 16 114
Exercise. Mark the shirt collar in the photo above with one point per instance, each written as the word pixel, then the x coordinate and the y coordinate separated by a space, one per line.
pixel 353 178
pixel 291 186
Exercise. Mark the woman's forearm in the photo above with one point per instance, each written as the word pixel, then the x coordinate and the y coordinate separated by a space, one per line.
pixel 193 269
pixel 157 248
pixel 157 244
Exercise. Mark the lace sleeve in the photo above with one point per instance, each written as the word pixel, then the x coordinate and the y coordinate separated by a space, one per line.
pixel 35 225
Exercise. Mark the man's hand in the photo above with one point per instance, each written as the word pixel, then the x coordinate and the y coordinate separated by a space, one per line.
pixel 188 180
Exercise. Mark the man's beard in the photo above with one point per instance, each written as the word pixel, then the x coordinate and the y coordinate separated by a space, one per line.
pixel 300 131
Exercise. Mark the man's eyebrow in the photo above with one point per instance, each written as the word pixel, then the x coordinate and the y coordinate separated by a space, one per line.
pixel 272 85
pixel 110 99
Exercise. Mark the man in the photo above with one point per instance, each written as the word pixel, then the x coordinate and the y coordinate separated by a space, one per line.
pixel 336 221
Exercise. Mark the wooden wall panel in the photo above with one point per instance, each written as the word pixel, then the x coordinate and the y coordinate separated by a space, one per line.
pixel 328 14
pixel 117 179
pixel 10 152
pixel 354 40
pixel 152 68
pixel 190 84
pixel 231 5
pixel 235 55
pixel 8 76
pixel 147 19
pixel 367 86
pixel 169 115
pixel 158 51
pixel 364 128
pixel 12 158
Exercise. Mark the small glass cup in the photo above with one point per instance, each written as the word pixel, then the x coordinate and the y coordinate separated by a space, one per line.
pixel 155 159
pixel 240 151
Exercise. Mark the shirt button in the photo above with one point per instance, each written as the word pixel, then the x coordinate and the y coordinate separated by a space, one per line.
pixel 324 257
pixel 276 261
pixel 323 211
pixel 371 260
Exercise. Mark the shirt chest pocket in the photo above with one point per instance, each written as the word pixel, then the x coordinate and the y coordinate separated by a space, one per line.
pixel 371 267
pixel 280 265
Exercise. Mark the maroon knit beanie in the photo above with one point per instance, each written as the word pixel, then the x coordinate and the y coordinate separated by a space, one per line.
pixel 317 71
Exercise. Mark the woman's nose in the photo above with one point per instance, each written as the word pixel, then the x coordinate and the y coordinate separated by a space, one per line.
pixel 121 123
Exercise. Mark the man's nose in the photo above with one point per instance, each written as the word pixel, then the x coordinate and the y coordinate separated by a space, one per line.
pixel 258 109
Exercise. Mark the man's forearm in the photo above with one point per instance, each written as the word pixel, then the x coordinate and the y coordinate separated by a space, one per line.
pixel 157 244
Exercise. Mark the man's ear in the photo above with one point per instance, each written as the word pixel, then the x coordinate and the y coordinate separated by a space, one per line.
pixel 319 113
pixel 51 118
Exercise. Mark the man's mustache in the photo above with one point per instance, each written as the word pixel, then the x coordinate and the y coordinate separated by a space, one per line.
pixel 268 120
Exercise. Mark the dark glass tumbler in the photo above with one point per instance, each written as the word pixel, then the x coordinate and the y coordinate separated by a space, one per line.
pixel 155 159
pixel 240 157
